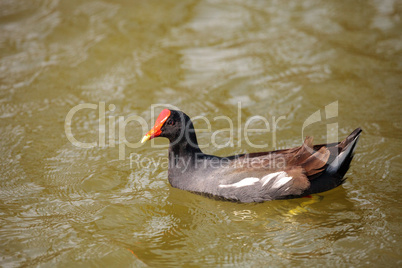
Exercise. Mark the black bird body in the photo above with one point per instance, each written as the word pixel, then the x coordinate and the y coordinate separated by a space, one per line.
pixel 254 177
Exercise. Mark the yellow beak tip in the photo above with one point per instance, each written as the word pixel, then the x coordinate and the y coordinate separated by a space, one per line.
pixel 145 138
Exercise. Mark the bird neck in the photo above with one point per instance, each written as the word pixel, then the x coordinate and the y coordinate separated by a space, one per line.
pixel 185 149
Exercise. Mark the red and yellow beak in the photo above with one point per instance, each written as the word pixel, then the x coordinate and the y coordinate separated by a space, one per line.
pixel 156 130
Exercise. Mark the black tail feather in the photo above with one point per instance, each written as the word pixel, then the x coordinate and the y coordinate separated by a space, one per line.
pixel 336 170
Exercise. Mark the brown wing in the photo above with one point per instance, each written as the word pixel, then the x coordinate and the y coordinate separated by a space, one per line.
pixel 313 160
pixel 303 164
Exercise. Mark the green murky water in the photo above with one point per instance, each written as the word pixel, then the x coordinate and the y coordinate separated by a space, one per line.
pixel 64 205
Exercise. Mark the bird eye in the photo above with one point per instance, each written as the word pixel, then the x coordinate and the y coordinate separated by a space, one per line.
pixel 170 122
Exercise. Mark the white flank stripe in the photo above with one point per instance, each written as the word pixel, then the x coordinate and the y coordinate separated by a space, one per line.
pixel 271 176
pixel 242 183
pixel 281 181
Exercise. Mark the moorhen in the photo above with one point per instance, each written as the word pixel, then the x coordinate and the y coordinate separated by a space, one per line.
pixel 251 177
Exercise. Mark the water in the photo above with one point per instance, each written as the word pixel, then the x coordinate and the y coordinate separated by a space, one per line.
pixel 61 205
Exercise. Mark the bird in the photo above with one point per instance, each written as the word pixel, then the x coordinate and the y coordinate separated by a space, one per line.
pixel 251 177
